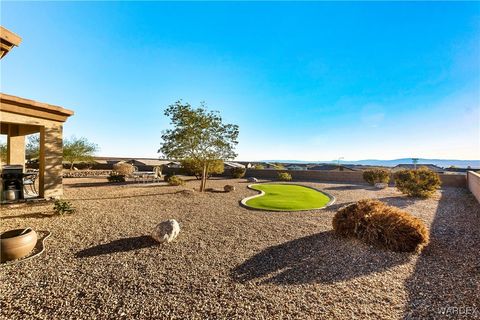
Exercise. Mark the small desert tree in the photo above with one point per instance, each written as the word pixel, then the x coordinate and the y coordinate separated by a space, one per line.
pixel 200 135
pixel 3 152
pixel 32 148
pixel 78 150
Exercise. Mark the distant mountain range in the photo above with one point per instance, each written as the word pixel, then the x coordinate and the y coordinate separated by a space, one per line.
pixel 444 163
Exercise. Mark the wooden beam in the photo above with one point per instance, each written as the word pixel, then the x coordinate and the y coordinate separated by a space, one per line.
pixel 10 37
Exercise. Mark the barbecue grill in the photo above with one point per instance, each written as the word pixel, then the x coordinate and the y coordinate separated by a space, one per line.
pixel 12 180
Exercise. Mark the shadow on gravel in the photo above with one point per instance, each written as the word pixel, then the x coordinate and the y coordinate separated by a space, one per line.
pixel 97 184
pixel 128 196
pixel 121 245
pixel 447 273
pixel 319 258
pixel 400 202
pixel 349 187
pixel 34 215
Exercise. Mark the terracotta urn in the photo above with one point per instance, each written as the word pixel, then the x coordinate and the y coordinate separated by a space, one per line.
pixel 16 244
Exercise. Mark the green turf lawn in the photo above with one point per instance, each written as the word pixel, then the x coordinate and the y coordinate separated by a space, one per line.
pixel 287 197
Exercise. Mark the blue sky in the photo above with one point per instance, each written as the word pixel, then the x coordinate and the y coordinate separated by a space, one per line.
pixel 306 81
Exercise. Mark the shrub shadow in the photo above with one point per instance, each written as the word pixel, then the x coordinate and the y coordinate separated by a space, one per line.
pixel 447 273
pixel 97 184
pixel 121 245
pixel 349 187
pixel 319 258
pixel 400 202
pixel 34 215
pixel 128 196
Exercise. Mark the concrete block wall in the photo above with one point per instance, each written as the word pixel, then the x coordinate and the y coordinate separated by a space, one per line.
pixel 448 180
pixel 473 180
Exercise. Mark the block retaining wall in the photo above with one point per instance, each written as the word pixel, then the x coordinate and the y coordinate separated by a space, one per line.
pixel 448 180
pixel 473 182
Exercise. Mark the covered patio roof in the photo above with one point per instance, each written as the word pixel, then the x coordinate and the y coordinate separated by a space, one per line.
pixel 8 40
pixel 37 112
pixel 20 117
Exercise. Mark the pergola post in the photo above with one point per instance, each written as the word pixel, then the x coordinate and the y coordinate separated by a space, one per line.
pixel 15 146
pixel 51 156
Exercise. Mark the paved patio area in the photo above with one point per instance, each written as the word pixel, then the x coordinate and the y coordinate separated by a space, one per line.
pixel 230 262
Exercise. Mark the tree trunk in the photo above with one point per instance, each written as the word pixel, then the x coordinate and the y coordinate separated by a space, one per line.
pixel 204 178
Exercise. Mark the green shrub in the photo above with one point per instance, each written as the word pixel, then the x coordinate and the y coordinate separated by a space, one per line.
pixel 195 168
pixel 421 182
pixel 61 207
pixel 284 176
pixel 373 176
pixel 116 177
pixel 238 173
pixel 176 181
pixel 377 223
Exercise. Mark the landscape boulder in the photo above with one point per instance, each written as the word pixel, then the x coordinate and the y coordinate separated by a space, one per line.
pixel 229 188
pixel 166 231
pixel 381 185
pixel 186 192
pixel 252 179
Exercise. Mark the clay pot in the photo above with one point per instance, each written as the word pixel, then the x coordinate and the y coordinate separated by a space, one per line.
pixel 16 244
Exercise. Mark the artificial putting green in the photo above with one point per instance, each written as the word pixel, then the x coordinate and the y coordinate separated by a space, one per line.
pixel 287 197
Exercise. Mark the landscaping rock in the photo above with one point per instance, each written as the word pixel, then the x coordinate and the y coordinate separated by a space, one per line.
pixel 228 188
pixel 380 185
pixel 166 231
pixel 187 192
pixel 252 179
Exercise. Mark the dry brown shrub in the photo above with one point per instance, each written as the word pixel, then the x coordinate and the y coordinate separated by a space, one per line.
pixel 123 168
pixel 377 223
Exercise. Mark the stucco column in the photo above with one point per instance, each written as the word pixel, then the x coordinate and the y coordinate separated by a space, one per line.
pixel 51 156
pixel 15 145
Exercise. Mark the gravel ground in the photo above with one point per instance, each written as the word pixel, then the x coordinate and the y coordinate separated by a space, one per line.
pixel 231 262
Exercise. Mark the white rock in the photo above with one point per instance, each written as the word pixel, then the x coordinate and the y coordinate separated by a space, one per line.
pixel 252 179
pixel 166 231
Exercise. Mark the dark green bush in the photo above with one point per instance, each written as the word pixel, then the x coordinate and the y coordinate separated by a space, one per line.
pixel 421 182
pixel 176 181
pixel 238 173
pixel 61 207
pixel 116 177
pixel 373 176
pixel 284 176
pixel 167 177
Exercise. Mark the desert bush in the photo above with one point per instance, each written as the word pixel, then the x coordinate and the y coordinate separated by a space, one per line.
pixel 377 223
pixel 421 182
pixel 284 176
pixel 176 181
pixel 123 168
pixel 61 207
pixel 238 173
pixel 116 177
pixel 373 176
pixel 228 188
pixel 193 167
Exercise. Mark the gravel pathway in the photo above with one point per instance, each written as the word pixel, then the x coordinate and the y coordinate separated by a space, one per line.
pixel 230 262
